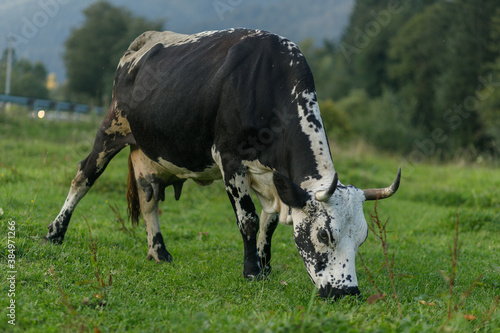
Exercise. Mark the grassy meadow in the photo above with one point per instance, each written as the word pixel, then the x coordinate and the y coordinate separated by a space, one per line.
pixel 101 281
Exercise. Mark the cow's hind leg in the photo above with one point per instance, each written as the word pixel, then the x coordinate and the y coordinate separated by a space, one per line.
pixel 145 180
pixel 113 134
pixel 156 245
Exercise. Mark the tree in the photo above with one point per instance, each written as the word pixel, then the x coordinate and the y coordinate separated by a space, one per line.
pixel 489 104
pixel 365 42
pixel 93 50
pixel 417 61
pixel 468 52
pixel 27 79
pixel 432 65
pixel 331 77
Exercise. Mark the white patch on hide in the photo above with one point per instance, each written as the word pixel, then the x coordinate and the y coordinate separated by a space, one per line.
pixel 261 181
pixel 119 125
pixel 317 139
pixel 142 44
pixel 292 48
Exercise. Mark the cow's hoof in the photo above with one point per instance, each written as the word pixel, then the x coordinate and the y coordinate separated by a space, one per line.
pixel 52 239
pixel 255 276
pixel 160 257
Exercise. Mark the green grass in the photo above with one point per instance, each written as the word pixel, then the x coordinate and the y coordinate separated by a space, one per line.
pixel 203 289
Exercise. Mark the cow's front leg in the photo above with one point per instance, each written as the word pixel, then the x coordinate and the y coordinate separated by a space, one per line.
pixel 238 190
pixel 268 223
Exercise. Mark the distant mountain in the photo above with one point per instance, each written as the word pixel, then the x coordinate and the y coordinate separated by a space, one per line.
pixel 42 26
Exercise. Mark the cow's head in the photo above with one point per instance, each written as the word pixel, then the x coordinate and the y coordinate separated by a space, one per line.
pixel 329 226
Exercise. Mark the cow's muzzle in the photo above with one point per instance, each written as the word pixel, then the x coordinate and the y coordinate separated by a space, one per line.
pixel 336 293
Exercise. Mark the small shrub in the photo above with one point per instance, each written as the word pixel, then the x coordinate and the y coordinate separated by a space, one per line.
pixel 336 121
pixel 383 122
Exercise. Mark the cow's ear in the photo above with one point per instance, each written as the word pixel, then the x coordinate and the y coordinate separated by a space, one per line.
pixel 289 192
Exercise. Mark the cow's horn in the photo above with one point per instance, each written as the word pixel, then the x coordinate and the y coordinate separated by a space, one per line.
pixel 325 195
pixel 382 193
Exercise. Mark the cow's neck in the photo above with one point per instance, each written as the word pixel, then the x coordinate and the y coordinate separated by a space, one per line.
pixel 302 154
pixel 320 171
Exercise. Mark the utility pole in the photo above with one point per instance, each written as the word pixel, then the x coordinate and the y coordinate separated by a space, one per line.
pixel 9 66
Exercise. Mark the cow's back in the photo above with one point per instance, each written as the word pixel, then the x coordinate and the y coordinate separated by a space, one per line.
pixel 184 93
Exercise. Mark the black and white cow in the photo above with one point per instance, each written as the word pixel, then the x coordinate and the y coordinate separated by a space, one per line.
pixel 238 105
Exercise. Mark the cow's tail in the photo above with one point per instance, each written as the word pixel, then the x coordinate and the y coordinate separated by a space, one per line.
pixel 133 206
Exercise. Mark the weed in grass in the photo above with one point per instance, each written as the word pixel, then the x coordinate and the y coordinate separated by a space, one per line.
pixel 450 279
pixel 101 286
pixel 454 307
pixel 380 295
pixel 379 229
pixel 100 297
pixel 476 219
pixel 76 323
pixel 120 220
pixel 488 314
pixel 202 236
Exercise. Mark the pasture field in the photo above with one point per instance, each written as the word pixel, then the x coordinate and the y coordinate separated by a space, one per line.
pixel 102 282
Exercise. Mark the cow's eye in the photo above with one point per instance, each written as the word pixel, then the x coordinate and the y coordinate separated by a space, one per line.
pixel 323 236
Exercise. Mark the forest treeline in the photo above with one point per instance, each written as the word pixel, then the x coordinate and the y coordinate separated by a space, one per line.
pixel 418 77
